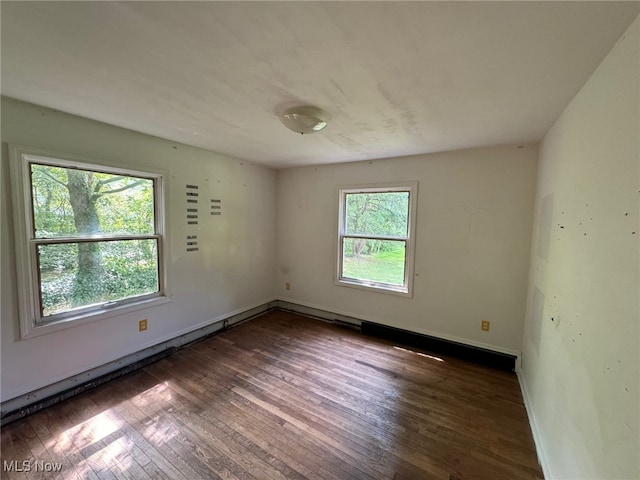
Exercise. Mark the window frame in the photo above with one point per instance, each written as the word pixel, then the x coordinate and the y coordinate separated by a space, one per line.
pixel 405 290
pixel 32 322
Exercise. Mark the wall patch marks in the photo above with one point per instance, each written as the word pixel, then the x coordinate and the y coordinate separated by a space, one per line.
pixel 192 243
pixel 192 204
pixel 216 207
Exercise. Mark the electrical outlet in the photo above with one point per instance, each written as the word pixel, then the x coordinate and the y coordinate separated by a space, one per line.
pixel 142 325
pixel 287 286
pixel 485 325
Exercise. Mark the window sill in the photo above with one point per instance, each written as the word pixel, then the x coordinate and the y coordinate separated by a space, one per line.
pixel 375 287
pixel 32 331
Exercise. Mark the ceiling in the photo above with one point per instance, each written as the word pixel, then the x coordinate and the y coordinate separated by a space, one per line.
pixel 397 78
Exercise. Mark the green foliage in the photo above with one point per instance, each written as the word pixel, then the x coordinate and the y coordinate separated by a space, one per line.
pixel 53 214
pixel 77 203
pixel 377 213
pixel 130 268
pixel 380 214
pixel 62 259
pixel 56 292
pixel 127 268
pixel 384 266
pixel 123 205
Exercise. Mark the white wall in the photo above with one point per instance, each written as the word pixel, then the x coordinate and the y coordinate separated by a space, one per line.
pixel 474 217
pixel 232 271
pixel 581 361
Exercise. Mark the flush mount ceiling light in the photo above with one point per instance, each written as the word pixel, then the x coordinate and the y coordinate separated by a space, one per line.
pixel 304 119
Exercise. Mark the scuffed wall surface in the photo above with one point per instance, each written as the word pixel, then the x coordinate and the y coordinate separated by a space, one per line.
pixel 581 344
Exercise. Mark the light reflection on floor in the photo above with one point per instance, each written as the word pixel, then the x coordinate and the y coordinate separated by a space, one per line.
pixel 101 443
pixel 437 359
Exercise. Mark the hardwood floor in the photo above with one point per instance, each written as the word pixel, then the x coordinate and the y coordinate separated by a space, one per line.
pixel 285 397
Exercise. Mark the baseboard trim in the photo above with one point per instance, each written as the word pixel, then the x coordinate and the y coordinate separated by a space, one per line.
pixel 319 313
pixel 33 407
pixel 498 360
pixel 535 432
pixel 28 403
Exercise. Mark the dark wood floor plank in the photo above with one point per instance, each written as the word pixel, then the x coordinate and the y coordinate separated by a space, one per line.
pixel 266 427
pixel 9 454
pixel 60 428
pixel 216 405
pixel 285 397
pixel 350 423
pixel 212 442
pixel 41 425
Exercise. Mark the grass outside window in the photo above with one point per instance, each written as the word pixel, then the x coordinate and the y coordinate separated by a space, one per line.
pixel 375 237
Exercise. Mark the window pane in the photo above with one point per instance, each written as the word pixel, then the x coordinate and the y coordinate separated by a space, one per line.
pixel 75 203
pixel 377 213
pixel 76 275
pixel 374 260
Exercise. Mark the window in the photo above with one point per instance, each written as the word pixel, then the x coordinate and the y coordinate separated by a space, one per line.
pixel 90 238
pixel 375 237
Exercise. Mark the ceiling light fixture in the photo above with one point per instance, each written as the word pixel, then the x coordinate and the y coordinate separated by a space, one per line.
pixel 304 119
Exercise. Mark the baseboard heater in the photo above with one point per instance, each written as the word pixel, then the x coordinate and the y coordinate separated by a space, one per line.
pixel 38 405
pixel 501 361
pixel 26 404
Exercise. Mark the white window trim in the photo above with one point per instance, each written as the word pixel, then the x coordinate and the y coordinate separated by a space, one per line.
pixel 26 267
pixel 407 289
